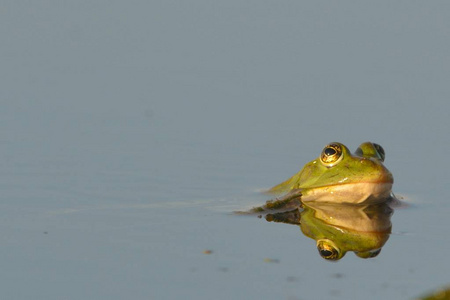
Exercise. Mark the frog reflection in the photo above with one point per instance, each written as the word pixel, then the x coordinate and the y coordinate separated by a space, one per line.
pixel 342 198
pixel 339 228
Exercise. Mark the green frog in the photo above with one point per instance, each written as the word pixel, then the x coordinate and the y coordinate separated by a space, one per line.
pixel 338 176
pixel 341 228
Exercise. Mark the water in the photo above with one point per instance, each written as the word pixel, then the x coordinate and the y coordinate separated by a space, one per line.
pixel 131 131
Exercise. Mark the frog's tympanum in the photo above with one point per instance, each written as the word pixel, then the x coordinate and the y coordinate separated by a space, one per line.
pixel 339 176
pixel 339 228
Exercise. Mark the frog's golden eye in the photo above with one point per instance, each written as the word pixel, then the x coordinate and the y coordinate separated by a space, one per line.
pixel 328 251
pixel 331 154
pixel 380 151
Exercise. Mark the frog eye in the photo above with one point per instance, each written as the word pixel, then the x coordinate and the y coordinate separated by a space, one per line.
pixel 368 254
pixel 331 154
pixel 328 250
pixel 380 151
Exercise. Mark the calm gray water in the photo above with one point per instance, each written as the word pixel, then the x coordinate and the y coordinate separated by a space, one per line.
pixel 131 130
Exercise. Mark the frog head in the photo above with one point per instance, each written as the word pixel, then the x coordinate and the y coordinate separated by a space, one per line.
pixel 339 176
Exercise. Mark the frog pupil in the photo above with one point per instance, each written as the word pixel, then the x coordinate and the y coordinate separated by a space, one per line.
pixel 325 253
pixel 330 151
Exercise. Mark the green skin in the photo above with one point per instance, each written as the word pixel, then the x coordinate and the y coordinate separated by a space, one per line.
pixel 339 228
pixel 439 294
pixel 365 166
pixel 365 243
pixel 324 187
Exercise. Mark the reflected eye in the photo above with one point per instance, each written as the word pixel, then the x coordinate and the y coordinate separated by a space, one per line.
pixel 368 254
pixel 331 154
pixel 327 251
pixel 380 151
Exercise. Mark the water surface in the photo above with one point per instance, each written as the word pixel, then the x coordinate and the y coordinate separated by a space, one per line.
pixel 131 131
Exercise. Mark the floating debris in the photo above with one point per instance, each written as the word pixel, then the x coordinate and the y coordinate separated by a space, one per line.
pixel 271 260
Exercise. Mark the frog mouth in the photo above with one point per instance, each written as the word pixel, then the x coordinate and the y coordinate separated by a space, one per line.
pixel 346 181
pixel 356 193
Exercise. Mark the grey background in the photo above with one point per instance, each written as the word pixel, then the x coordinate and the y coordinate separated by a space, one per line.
pixel 130 130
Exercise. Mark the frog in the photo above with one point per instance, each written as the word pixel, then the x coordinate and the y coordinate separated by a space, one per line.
pixel 440 293
pixel 339 176
pixel 341 228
